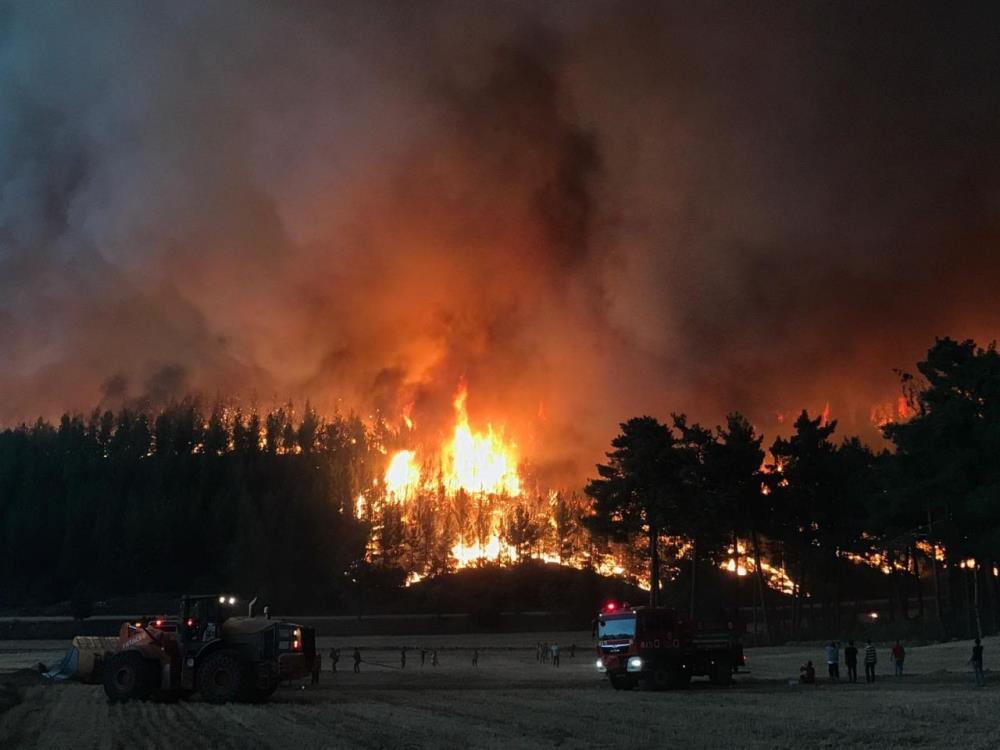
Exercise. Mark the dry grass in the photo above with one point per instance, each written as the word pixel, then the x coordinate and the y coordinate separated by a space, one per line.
pixel 511 701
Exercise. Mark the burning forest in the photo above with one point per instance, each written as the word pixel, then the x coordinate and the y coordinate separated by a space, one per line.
pixel 469 499
pixel 427 299
pixel 360 505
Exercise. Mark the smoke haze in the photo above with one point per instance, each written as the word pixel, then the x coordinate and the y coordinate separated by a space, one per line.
pixel 586 210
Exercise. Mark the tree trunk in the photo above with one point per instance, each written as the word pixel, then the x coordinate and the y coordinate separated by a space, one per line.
pixel 920 587
pixel 797 600
pixel 942 633
pixel 994 598
pixel 893 585
pixel 975 600
pixel 694 572
pixel 654 566
pixel 836 595
pixel 761 584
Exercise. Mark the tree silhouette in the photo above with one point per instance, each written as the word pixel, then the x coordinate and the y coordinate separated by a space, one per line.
pixel 949 476
pixel 637 489
pixel 734 467
pixel 521 532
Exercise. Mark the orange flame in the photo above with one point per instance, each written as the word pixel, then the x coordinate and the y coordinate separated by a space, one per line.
pixel 479 462
pixel 476 462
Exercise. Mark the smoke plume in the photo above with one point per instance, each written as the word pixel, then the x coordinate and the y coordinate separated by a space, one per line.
pixel 586 210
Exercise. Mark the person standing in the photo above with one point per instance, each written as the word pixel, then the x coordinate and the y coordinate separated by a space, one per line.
pixel 898 654
pixel 334 658
pixel 871 659
pixel 833 661
pixel 555 654
pixel 475 658
pixel 423 657
pixel 851 660
pixel 402 658
pixel 977 663
pixel 357 660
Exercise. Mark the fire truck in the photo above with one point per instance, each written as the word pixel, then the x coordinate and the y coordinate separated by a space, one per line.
pixel 659 649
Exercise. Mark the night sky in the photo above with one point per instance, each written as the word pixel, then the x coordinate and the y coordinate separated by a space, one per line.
pixel 587 210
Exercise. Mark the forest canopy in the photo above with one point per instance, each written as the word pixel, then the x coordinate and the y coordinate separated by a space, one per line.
pixel 289 506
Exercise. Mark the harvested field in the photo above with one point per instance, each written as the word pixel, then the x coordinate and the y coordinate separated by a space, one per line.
pixel 511 701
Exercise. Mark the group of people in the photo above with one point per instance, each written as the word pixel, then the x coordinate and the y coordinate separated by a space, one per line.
pixel 807 672
pixel 335 658
pixel 548 653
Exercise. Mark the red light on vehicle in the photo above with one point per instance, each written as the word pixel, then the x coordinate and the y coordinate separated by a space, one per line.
pixel 158 623
pixel 610 606
pixel 296 645
pixel 190 622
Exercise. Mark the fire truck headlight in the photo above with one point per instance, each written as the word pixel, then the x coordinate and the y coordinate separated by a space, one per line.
pixel 634 664
pixel 600 666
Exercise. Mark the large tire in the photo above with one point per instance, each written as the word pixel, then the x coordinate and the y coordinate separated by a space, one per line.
pixel 223 677
pixel 260 695
pixel 678 678
pixel 129 676
pixel 721 674
pixel 621 682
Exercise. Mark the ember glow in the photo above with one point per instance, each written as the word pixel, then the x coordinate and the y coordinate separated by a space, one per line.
pixel 741 564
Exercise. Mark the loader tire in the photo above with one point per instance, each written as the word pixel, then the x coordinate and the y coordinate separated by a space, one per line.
pixel 259 694
pixel 222 677
pixel 129 676
pixel 722 674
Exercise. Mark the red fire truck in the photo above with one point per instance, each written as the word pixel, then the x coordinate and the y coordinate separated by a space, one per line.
pixel 658 648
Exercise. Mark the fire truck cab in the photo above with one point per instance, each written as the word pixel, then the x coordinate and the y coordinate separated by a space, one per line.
pixel 659 649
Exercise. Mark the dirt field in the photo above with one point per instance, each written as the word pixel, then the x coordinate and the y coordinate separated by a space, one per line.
pixel 511 701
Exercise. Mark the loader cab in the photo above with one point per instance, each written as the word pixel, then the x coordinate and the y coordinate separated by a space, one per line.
pixel 202 617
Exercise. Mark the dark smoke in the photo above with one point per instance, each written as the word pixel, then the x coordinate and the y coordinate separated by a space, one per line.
pixel 586 210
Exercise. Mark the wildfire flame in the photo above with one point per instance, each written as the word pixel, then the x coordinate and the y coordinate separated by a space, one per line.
pixel 476 462
pixel 479 462
pixel 742 565
pixel 402 476
pixel 484 466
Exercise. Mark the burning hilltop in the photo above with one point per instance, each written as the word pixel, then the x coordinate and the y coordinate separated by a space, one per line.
pixel 469 499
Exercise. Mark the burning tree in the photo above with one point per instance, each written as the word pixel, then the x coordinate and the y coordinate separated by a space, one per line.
pixel 465 502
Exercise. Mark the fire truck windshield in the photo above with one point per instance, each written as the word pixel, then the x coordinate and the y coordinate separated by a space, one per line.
pixel 619 626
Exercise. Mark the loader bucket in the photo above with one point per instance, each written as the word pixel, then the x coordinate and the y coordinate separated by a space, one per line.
pixel 83 660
